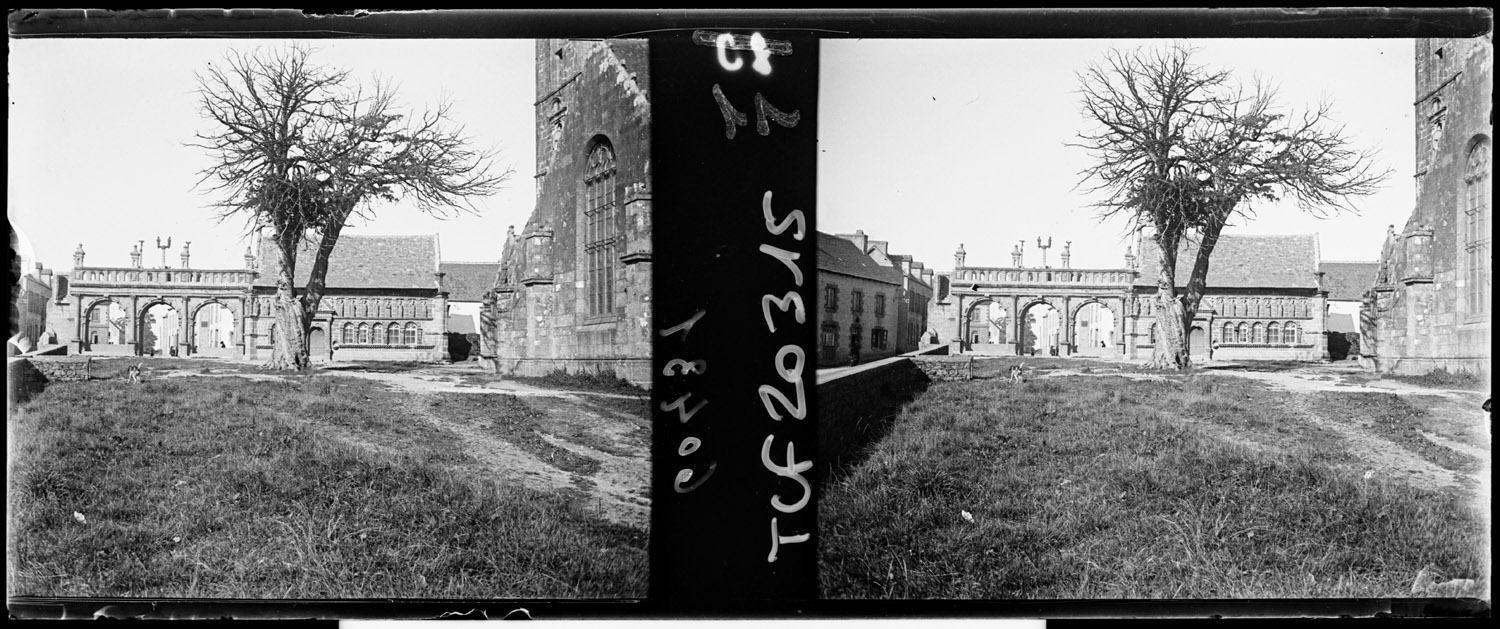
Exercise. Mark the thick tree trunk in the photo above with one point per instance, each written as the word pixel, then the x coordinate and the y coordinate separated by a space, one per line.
pixel 1197 283
pixel 1170 351
pixel 289 349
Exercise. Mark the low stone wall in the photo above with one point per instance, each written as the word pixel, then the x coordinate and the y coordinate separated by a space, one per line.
pixel 946 367
pixel 62 369
pixel 856 408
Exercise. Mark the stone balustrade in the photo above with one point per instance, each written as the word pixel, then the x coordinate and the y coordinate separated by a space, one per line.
pixel 162 277
pixel 1011 275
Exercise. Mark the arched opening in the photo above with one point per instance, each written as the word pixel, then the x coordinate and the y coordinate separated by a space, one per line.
pixel 317 344
pixel 1041 330
pixel 1094 330
pixel 161 330
pixel 1198 343
pixel 107 323
pixel 213 330
pixel 987 327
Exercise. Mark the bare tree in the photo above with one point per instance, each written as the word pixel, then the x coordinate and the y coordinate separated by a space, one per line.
pixel 299 149
pixel 1181 150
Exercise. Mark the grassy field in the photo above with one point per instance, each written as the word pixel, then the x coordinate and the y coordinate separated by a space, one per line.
pixel 1194 486
pixel 307 487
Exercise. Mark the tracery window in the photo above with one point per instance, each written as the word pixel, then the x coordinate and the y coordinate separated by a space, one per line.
pixel 412 332
pixel 364 333
pixel 393 334
pixel 1242 333
pixel 599 221
pixel 349 337
pixel 1273 333
pixel 377 334
pixel 1476 225
pixel 1257 334
pixel 1228 336
pixel 1292 333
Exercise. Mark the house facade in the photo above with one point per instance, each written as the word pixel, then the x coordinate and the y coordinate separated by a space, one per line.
pixel 573 290
pixel 858 310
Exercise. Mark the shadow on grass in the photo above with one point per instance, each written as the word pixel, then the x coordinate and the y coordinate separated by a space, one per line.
pixel 1107 487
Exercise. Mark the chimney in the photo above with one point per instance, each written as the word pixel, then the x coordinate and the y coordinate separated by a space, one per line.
pixel 859 239
pixel 881 246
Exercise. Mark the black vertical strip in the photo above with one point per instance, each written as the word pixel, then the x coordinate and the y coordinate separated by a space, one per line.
pixel 717 258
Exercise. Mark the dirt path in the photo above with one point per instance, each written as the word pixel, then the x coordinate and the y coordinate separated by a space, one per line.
pixel 620 489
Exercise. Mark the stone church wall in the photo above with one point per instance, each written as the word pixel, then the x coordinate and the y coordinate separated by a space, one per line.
pixel 588 93
pixel 1423 315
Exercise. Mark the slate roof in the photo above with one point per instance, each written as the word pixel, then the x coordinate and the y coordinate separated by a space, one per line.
pixel 1348 281
pixel 468 281
pixel 837 255
pixel 387 262
pixel 1243 262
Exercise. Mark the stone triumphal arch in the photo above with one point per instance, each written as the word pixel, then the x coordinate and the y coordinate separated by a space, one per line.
pixel 136 310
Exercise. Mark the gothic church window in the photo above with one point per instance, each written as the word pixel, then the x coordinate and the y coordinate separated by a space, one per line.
pixel 1476 225
pixel 599 220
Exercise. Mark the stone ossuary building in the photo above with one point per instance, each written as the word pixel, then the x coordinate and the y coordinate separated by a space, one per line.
pixel 1430 304
pixel 384 300
pixel 573 292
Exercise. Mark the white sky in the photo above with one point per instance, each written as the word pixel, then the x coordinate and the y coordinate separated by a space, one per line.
pixel 931 143
pixel 98 126
pixel 925 143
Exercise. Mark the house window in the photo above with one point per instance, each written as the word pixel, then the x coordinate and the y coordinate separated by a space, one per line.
pixel 377 334
pixel 829 340
pixel 364 333
pixel 1273 333
pixel 1228 336
pixel 879 305
pixel 856 301
pixel 877 338
pixel 413 332
pixel 599 221
pixel 1475 222
pixel 393 334
pixel 1242 333
pixel 1257 334
pixel 831 298
pixel 1291 334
